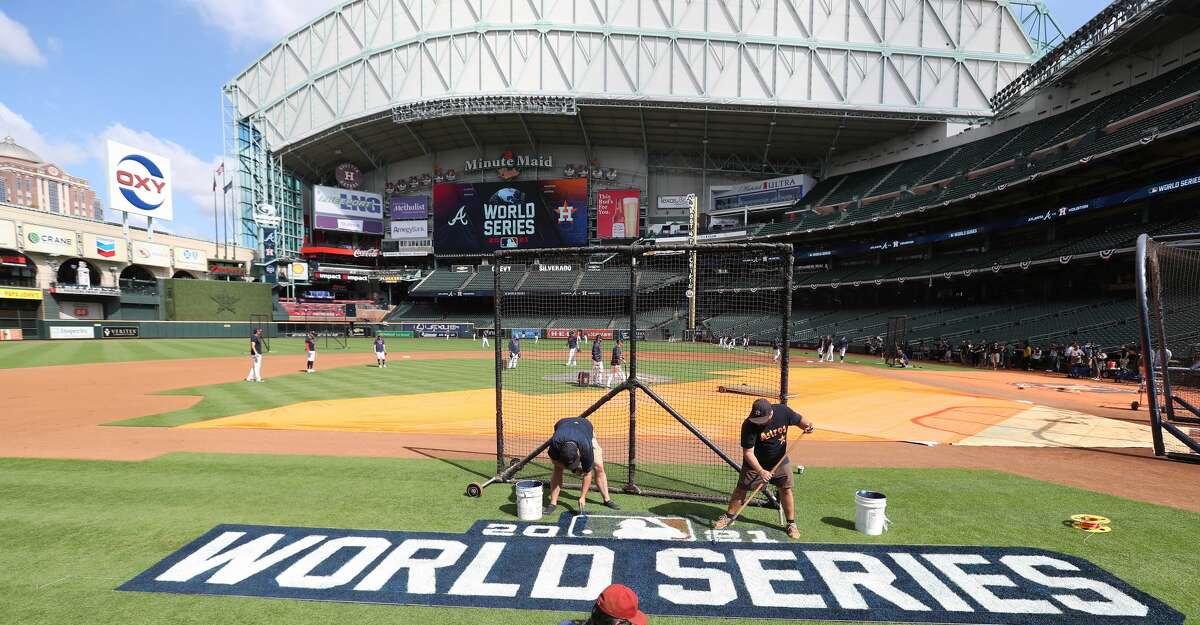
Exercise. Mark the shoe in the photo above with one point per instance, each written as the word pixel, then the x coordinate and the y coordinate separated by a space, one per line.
pixel 722 522
pixel 612 505
pixel 549 509
pixel 792 531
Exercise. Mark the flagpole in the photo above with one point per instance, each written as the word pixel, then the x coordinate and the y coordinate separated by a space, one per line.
pixel 225 210
pixel 216 226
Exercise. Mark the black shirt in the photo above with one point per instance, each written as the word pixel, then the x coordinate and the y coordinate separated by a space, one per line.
pixel 573 430
pixel 616 355
pixel 770 441
pixel 256 344
pixel 572 342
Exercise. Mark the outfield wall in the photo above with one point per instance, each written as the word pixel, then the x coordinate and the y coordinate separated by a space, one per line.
pixel 213 300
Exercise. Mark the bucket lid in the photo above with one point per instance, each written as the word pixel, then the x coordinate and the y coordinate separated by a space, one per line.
pixel 529 484
pixel 870 494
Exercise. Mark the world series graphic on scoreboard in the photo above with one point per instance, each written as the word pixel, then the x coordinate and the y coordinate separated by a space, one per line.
pixel 474 218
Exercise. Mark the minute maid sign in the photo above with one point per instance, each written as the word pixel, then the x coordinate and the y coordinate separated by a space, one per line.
pixel 676 569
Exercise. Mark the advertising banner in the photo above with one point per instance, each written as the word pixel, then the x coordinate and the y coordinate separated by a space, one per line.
pixel 437 330
pixel 187 258
pixel 674 201
pixel 408 207
pixel 298 272
pixel 270 241
pixel 8 234
pixel 525 333
pixel 119 332
pixel 408 229
pixel 49 240
pixel 104 248
pixel 80 310
pixel 72 332
pixel 484 217
pixel 16 293
pixel 617 213
pixel 139 182
pixel 774 192
pixel 346 210
pixel 153 254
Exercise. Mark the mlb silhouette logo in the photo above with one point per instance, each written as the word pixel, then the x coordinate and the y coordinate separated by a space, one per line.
pixel 631 527
pixel 508 243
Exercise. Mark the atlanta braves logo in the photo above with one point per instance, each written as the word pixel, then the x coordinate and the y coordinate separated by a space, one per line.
pixel 460 218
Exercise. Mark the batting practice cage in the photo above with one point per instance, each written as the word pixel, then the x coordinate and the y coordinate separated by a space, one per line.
pixel 699 333
pixel 1168 297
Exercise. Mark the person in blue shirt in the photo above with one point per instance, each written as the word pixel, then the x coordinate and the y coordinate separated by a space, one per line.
pixel 572 347
pixel 514 351
pixel 380 353
pixel 597 361
pixel 615 363
pixel 573 447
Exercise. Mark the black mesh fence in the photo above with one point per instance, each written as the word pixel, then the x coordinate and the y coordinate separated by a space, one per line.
pixel 667 360
pixel 1173 310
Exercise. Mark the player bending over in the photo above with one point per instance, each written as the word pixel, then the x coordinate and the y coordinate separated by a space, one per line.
pixel 572 347
pixel 310 348
pixel 380 353
pixel 615 363
pixel 764 444
pixel 574 448
pixel 597 361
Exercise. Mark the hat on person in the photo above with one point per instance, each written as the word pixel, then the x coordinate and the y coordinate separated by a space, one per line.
pixel 571 457
pixel 760 412
pixel 619 601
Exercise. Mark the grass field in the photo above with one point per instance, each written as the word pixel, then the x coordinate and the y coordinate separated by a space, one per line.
pixel 73 531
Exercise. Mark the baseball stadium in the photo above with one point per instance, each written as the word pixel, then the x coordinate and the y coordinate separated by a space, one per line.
pixel 631 311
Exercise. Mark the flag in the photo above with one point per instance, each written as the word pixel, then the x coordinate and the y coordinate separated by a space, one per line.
pixel 214 184
pixel 228 186
pixel 221 169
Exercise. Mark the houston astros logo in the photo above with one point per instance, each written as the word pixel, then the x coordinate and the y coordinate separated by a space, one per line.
pixel 460 218
pixel 566 212
pixel 141 182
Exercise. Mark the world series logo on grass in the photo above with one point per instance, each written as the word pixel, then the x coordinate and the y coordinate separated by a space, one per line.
pixel 675 567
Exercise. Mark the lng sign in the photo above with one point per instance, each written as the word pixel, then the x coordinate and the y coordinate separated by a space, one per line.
pixel 676 568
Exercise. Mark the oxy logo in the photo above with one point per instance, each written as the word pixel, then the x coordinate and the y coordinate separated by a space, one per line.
pixel 674 569
pixel 141 182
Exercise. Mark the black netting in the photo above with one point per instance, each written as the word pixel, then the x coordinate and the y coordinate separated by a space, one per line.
pixel 1174 313
pixel 707 358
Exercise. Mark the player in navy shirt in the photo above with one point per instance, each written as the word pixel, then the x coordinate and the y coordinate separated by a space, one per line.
pixel 573 447
pixel 514 351
pixel 380 353
pixel 256 352
pixel 778 345
pixel 572 347
pixel 615 363
pixel 310 348
pixel 764 445
pixel 597 361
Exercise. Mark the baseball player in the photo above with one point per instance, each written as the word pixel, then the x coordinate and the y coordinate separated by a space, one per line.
pixel 764 444
pixel 616 605
pixel 615 363
pixel 255 374
pixel 310 348
pixel 777 345
pixel 483 339
pixel 597 361
pixel 573 447
pixel 572 347
pixel 514 351
pixel 380 353
pixel 821 349
pixel 842 344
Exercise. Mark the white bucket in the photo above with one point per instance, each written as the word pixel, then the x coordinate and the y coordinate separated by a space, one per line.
pixel 870 512
pixel 529 500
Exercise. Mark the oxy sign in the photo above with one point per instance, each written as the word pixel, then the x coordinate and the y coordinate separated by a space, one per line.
pixel 139 182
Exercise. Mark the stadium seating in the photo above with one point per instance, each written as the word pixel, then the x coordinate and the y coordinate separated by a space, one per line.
pixel 442 280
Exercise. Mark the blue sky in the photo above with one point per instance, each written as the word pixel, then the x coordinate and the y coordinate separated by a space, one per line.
pixel 149 73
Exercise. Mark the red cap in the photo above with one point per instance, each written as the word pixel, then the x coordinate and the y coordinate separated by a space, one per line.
pixel 620 602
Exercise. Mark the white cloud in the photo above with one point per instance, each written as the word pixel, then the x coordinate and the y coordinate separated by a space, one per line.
pixel 16 46
pixel 193 175
pixel 60 152
pixel 258 22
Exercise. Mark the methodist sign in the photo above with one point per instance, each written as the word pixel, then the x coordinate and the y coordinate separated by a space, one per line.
pixel 346 210
pixel 676 567
pixel 139 182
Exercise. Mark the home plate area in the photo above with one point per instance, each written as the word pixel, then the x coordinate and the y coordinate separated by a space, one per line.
pixel 572 377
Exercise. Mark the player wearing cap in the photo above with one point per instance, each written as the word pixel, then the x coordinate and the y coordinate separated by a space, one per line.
pixel 380 353
pixel 310 348
pixel 597 361
pixel 573 447
pixel 572 347
pixel 514 351
pixel 778 346
pixel 615 363
pixel 617 605
pixel 764 444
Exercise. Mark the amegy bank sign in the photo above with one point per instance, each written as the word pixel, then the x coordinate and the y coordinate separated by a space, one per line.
pixel 675 568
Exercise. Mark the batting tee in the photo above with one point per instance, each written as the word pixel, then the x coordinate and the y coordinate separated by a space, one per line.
pixel 698 327
pixel 1168 298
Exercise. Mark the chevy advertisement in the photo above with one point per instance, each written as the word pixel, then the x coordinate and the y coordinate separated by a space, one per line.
pixel 478 218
